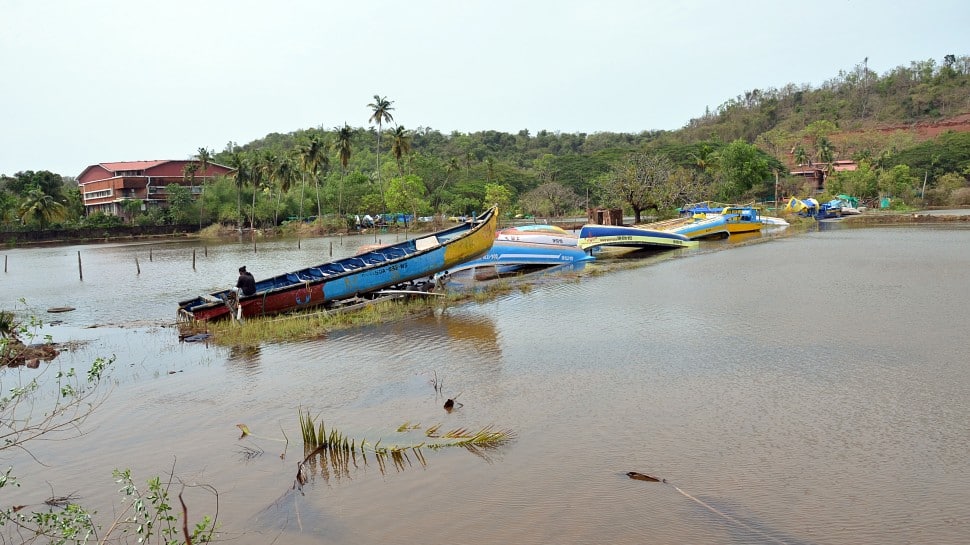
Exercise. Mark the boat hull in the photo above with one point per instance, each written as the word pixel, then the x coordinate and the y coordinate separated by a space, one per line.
pixel 594 236
pixel 538 234
pixel 351 277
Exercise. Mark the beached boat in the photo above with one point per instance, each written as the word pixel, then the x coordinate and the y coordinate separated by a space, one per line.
pixel 630 238
pixel 693 227
pixel 349 277
pixel 742 219
pixel 538 234
pixel 508 257
pixel 742 223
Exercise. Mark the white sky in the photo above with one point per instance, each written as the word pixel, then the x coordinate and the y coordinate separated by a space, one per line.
pixel 85 82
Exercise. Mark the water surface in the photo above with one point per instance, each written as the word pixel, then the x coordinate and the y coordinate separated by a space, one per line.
pixel 810 389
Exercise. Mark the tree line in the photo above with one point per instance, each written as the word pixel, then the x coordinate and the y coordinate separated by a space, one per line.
pixel 744 151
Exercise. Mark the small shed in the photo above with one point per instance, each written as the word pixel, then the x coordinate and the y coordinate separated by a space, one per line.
pixel 605 216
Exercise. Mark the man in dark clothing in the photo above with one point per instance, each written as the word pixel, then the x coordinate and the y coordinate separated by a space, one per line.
pixel 246 282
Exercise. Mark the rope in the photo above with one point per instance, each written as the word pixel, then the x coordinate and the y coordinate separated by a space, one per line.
pixel 728 517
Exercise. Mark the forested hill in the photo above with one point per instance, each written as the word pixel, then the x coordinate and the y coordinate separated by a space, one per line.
pixel 846 117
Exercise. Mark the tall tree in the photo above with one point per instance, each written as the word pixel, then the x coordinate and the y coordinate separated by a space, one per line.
pixel 205 157
pixel 381 108
pixel 312 153
pixel 400 145
pixel 345 149
pixel 283 176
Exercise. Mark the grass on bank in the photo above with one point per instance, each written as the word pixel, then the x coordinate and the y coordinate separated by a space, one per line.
pixel 316 323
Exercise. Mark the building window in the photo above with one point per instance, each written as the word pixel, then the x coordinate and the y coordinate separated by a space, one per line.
pixel 98 194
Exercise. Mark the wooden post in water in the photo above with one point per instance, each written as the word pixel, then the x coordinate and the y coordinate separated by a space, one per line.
pixel 254 243
pixel 331 248
pixel 80 272
pixel 205 251
pixel 137 266
pixel 5 263
pixel 298 243
pixel 193 259
pixel 149 253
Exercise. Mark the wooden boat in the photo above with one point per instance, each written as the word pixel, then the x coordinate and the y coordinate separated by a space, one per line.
pixel 630 238
pixel 352 276
pixel 538 234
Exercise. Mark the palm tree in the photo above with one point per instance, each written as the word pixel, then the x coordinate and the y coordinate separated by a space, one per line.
pixel 241 177
pixel 400 145
pixel 188 175
pixel 312 155
pixel 41 207
pixel 344 151
pixel 283 174
pixel 205 157
pixel 382 114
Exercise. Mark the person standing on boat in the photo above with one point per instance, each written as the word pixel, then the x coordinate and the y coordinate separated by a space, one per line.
pixel 246 282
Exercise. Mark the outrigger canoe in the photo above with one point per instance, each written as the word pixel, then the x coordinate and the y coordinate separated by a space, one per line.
pixel 349 277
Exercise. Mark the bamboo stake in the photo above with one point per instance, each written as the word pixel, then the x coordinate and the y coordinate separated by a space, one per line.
pixel 331 248
pixel 5 263
pixel 149 254
pixel 193 259
pixel 137 266
pixel 80 272
pixel 206 251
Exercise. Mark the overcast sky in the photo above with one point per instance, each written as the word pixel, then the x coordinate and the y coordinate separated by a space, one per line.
pixel 85 82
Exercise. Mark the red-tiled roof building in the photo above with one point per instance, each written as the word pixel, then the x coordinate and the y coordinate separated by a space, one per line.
pixel 105 186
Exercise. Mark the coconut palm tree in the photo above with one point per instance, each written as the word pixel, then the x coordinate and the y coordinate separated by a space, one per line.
pixel 241 176
pixel 344 151
pixel 400 145
pixel 40 207
pixel 312 155
pixel 381 114
pixel 283 175
pixel 204 157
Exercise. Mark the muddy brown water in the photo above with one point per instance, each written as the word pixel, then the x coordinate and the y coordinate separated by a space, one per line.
pixel 809 389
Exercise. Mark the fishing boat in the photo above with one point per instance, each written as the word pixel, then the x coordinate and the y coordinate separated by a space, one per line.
pixel 538 234
pixel 351 277
pixel 630 238
pixel 510 257
pixel 694 227
pixel 742 219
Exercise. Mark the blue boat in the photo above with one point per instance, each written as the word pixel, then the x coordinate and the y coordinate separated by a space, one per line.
pixel 509 257
pixel 350 277
pixel 630 238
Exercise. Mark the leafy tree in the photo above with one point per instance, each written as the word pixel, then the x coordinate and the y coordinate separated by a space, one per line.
pixel 179 202
pixel 498 195
pixel 131 208
pixel 406 193
pixel 550 199
pixel 897 182
pixel 741 166
pixel 381 108
pixel 635 181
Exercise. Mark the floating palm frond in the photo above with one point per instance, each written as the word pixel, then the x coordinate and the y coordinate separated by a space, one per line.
pixel 333 453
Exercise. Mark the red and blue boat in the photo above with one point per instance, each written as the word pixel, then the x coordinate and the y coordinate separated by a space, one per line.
pixel 370 271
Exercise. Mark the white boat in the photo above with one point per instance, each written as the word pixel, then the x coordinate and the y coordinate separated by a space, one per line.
pixel 538 234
